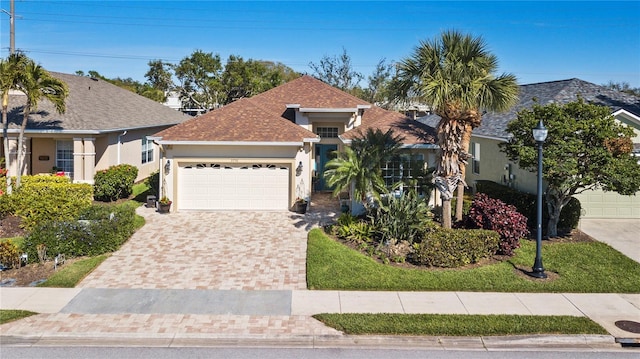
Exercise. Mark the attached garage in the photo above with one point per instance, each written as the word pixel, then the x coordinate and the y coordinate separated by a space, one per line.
pixel 229 186
pixel 600 204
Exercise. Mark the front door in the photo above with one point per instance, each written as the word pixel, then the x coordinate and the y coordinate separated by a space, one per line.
pixel 324 153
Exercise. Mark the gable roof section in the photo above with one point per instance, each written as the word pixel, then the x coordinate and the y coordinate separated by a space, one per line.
pixel 94 105
pixel 560 92
pixel 413 132
pixel 307 92
pixel 243 120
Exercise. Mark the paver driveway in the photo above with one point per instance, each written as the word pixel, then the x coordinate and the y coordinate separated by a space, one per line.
pixel 209 250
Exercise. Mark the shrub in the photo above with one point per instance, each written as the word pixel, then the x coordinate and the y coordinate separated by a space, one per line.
pixel 115 182
pixel 9 254
pixel 450 248
pixel 153 182
pixel 526 204
pixel 356 232
pixel 493 214
pixel 403 218
pixel 97 230
pixel 44 198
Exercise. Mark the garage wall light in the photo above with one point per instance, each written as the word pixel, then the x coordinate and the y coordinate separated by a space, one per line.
pixel 167 167
pixel 299 169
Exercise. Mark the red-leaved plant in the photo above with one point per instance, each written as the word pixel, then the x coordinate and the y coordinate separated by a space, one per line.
pixel 493 214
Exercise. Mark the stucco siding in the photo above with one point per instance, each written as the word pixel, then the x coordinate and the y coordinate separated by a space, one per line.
pixel 495 166
pixel 43 155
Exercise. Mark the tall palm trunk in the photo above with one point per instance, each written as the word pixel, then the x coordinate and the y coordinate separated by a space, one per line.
pixel 450 131
pixel 5 138
pixel 472 119
pixel 21 152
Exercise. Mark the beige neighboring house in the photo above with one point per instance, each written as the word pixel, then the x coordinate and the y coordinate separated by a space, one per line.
pixel 491 164
pixel 103 125
pixel 264 152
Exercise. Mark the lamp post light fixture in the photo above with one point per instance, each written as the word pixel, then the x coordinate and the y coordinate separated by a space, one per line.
pixel 540 135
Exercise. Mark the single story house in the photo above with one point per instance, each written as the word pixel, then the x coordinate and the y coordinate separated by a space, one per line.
pixel 489 163
pixel 264 152
pixel 103 125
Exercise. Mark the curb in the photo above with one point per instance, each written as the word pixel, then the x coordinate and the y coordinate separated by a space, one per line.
pixel 491 343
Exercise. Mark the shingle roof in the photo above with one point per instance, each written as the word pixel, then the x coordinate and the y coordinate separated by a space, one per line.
pixel 265 117
pixel 561 92
pixel 95 105
pixel 413 132
pixel 241 120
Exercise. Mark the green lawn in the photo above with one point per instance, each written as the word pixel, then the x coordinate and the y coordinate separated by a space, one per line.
pixel 9 315
pixel 70 275
pixel 584 267
pixel 458 325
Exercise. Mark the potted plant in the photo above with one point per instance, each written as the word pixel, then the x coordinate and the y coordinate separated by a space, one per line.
pixel 164 205
pixel 300 206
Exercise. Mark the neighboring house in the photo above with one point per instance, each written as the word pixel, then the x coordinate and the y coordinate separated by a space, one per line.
pixel 103 125
pixel 266 151
pixel 491 164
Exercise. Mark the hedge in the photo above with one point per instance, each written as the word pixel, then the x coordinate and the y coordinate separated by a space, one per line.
pixel 96 230
pixel 45 198
pixel 451 248
pixel 526 204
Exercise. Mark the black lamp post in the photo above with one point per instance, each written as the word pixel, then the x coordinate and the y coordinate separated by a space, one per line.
pixel 540 135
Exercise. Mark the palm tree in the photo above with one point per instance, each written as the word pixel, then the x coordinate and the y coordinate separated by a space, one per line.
pixel 10 77
pixel 360 165
pixel 37 83
pixel 455 75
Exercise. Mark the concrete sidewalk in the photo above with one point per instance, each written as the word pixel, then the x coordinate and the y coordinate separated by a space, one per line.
pixel 224 315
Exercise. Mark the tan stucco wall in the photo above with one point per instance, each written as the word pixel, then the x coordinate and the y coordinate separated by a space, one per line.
pixel 130 151
pixel 43 147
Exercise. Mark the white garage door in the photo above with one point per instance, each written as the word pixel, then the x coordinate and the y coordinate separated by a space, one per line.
pixel 220 186
pixel 600 204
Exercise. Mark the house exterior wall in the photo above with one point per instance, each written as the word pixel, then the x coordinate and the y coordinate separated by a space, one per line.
pixel 494 166
pixel 43 148
pixel 118 148
pixel 630 122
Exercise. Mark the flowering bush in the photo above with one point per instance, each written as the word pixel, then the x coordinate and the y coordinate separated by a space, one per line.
pixel 493 214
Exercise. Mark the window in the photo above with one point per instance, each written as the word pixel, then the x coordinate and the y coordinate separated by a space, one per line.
pixel 147 150
pixel 327 132
pixel 475 160
pixel 64 157
pixel 409 170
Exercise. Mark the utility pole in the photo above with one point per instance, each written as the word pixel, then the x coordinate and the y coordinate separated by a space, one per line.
pixel 12 24
pixel 12 32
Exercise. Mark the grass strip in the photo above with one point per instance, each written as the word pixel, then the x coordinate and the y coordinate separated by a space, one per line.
pixel 70 275
pixel 9 315
pixel 459 324
pixel 582 267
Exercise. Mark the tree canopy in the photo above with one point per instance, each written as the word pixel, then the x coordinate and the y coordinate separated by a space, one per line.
pixel 586 149
pixel 456 75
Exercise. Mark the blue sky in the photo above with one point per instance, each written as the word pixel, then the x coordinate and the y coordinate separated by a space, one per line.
pixel 536 41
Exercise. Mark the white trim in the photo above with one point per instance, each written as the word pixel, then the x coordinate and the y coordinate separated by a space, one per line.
pixel 230 143
pixel 89 132
pixel 495 138
pixel 627 114
pixel 311 140
pixel 329 110
pixel 421 146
